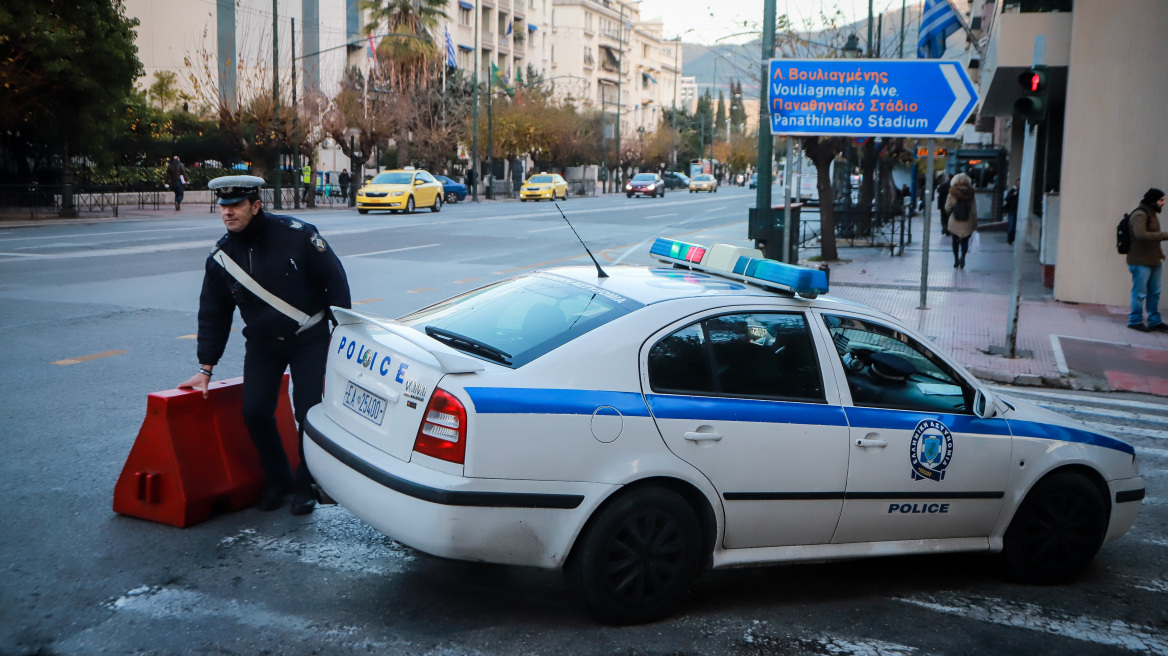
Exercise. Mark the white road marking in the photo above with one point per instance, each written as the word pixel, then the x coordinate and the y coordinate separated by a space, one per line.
pixel 1152 585
pixel 1114 633
pixel 1128 430
pixel 1122 403
pixel 112 232
pixel 1155 453
pixel 562 227
pixel 715 209
pixel 1103 412
pixel 631 251
pixel 661 216
pixel 394 250
pixel 168 603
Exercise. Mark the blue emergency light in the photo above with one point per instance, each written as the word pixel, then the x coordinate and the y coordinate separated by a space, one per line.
pixel 807 283
pixel 677 252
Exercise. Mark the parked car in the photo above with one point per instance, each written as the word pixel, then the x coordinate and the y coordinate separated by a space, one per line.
pixel 675 180
pixel 645 184
pixel 452 191
pixel 639 425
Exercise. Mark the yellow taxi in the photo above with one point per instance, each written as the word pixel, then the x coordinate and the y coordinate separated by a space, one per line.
pixel 544 185
pixel 402 190
pixel 703 182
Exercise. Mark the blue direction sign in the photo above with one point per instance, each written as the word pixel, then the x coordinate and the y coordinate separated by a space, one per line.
pixel 869 97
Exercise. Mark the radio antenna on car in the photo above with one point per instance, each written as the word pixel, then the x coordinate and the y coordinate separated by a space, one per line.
pixel 599 272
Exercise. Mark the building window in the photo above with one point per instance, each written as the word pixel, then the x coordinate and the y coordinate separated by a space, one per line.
pixel 553 53
pixel 465 59
pixel 588 59
pixel 464 16
pixel 588 21
pixel 553 18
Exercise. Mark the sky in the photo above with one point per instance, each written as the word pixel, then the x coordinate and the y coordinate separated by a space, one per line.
pixel 705 21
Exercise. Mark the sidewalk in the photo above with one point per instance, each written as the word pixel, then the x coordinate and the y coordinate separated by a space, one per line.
pixel 1079 346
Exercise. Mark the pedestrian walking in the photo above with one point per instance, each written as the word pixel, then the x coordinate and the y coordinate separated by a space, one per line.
pixel 942 197
pixel 345 179
pixel 1010 207
pixel 961 208
pixel 1145 260
pixel 306 178
pixel 176 173
pixel 283 277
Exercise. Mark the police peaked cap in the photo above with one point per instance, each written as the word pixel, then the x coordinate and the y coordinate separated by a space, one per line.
pixel 233 188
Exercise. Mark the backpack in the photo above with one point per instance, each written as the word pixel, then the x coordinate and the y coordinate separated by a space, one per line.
pixel 1123 235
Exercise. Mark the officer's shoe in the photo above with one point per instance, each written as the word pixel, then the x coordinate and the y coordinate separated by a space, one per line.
pixel 272 497
pixel 303 502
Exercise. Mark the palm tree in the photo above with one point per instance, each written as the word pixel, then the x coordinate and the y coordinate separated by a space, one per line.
pixel 410 51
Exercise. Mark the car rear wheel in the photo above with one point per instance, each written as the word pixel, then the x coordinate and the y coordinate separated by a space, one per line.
pixel 636 558
pixel 451 197
pixel 565 198
pixel 1057 530
pixel 437 206
pixel 410 205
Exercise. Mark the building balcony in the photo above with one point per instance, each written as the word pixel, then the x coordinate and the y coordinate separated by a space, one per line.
pixel 1011 51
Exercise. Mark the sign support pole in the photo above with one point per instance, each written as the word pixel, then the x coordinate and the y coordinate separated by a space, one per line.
pixel 766 138
pixel 1025 204
pixel 928 216
pixel 788 232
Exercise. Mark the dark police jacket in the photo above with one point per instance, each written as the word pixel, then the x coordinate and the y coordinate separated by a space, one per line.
pixel 287 257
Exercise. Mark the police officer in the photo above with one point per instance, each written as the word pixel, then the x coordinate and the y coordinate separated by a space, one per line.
pixel 283 277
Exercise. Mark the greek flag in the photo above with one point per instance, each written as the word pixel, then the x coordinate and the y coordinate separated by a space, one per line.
pixel 450 60
pixel 509 26
pixel 938 21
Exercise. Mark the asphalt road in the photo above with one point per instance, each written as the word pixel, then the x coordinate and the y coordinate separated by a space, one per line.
pixel 94 316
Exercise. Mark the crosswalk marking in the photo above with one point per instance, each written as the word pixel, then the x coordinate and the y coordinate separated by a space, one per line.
pixel 1113 633
pixel 1105 412
pixel 1128 430
pixel 1124 403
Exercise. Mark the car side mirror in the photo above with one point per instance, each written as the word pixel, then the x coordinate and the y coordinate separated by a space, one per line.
pixel 983 403
pixel 419 182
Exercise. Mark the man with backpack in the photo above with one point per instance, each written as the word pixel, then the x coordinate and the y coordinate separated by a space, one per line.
pixel 1145 261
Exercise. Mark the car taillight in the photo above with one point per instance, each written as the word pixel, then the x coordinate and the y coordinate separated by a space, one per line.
pixel 442 434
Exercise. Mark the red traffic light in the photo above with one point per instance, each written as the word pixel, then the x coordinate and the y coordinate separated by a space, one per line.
pixel 1035 81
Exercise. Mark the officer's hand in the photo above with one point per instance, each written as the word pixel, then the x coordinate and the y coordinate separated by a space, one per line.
pixel 198 381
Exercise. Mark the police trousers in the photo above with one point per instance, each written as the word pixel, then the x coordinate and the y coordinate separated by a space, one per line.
pixel 264 363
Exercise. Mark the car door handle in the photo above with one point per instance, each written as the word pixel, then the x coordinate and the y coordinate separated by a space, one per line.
pixel 703 437
pixel 866 443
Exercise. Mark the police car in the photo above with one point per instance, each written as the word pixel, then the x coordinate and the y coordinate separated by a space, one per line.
pixel 637 428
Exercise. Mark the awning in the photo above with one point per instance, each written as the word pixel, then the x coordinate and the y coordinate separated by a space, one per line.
pixel 465 5
pixel 531 28
pixel 466 48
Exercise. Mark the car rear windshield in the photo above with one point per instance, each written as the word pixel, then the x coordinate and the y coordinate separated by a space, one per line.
pixel 536 179
pixel 645 176
pixel 704 178
pixel 394 177
pixel 515 321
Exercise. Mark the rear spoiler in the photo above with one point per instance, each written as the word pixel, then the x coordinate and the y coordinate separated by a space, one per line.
pixel 448 360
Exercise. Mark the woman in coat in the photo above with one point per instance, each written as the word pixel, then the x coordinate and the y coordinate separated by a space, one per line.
pixel 962 209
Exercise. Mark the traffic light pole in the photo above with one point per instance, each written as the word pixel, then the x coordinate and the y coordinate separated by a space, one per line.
pixel 1025 203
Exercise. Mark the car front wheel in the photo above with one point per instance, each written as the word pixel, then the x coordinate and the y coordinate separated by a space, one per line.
pixel 410 205
pixel 437 206
pixel 636 558
pixel 1057 530
pixel 451 197
pixel 360 211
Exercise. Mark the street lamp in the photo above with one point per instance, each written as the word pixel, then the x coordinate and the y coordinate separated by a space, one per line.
pixel 852 48
pixel 620 73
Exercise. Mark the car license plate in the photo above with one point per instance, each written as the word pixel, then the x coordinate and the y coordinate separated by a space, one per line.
pixel 365 403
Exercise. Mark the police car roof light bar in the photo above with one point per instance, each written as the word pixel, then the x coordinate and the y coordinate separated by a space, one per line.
pixel 671 251
pixel 807 283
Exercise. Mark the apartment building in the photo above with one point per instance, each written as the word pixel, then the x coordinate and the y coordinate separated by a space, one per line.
pixel 1102 144
pixel 511 34
pixel 604 46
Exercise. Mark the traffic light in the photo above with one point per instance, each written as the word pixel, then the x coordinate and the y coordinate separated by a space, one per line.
pixel 1032 105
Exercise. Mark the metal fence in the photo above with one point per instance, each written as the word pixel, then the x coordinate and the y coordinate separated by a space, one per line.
pixel 882 226
pixel 44 201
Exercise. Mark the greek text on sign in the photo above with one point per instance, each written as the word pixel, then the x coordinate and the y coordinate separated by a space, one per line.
pixel 868 97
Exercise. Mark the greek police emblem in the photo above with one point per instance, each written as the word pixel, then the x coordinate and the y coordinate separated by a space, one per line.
pixel 318 242
pixel 931 450
pixel 367 359
pixel 295 225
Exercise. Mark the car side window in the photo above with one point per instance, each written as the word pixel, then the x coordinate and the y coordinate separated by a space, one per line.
pixel 426 177
pixel 755 355
pixel 886 368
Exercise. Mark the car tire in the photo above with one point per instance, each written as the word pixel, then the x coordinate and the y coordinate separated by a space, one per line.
pixel 361 211
pixel 628 195
pixel 565 198
pixel 437 206
pixel 409 205
pixel 636 557
pixel 522 200
pixel 1057 530
pixel 451 197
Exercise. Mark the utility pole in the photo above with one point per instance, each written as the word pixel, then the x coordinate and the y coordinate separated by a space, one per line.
pixel 620 74
pixel 490 134
pixel 277 202
pixel 673 114
pixel 766 141
pixel 295 150
pixel 927 217
pixel 871 50
pixel 474 143
pixel 901 53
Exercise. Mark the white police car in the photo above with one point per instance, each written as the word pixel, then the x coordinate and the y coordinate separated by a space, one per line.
pixel 638 428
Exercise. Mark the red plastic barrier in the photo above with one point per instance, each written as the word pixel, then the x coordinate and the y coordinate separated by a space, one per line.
pixel 193 456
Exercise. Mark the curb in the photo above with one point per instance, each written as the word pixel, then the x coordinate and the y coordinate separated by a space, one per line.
pixel 1022 380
